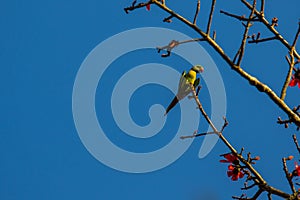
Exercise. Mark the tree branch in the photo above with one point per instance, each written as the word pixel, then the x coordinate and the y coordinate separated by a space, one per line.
pixel 291 63
pixel 240 18
pixel 213 3
pixel 257 194
pixel 197 12
pixel 296 36
pixel 296 143
pixel 252 80
pixel 133 6
pixel 245 36
pixel 287 175
pixel 262 40
pixel 262 183
pixel 175 43
pixel 262 7
pixel 271 28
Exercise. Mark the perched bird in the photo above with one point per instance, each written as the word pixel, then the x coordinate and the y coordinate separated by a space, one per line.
pixel 184 85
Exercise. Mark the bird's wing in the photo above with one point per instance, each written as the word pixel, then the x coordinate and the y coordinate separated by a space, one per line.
pixel 182 79
pixel 196 83
pixel 183 87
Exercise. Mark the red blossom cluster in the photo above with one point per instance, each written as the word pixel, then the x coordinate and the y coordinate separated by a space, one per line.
pixel 296 172
pixel 234 169
pixel 295 79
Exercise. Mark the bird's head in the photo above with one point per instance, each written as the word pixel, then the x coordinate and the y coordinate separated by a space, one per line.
pixel 197 68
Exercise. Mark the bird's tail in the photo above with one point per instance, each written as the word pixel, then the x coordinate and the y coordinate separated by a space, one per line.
pixel 172 104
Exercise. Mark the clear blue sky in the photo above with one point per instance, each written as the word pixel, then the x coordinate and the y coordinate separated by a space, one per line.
pixel 43 44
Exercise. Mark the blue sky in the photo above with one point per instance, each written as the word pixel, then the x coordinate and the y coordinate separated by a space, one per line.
pixel 43 44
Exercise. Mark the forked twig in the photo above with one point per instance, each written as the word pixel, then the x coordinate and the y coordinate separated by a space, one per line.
pixel 296 143
pixel 197 12
pixel 271 28
pixel 239 17
pixel 287 174
pixel 213 3
pixel 256 41
pixel 175 43
pixel 291 63
pixel 245 36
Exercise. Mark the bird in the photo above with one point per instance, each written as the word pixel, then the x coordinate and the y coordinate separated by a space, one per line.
pixel 184 85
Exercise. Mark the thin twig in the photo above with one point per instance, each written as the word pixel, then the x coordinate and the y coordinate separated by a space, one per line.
pixel 269 196
pixel 249 187
pixel 214 35
pixel 242 197
pixel 243 45
pixel 240 18
pixel 197 12
pixel 262 40
pixel 236 55
pixel 226 123
pixel 133 6
pixel 296 143
pixel 213 3
pixel 262 7
pixel 168 19
pixel 175 43
pixel 196 135
pixel 287 175
pixel 296 37
pixel 291 63
pixel 257 194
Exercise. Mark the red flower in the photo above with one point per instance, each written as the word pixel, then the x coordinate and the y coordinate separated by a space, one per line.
pixel 234 172
pixel 148 7
pixel 294 82
pixel 230 158
pixel 295 79
pixel 297 169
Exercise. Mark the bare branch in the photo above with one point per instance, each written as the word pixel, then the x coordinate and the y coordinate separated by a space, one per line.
pixel 243 45
pixel 168 19
pixel 289 121
pixel 226 123
pixel 213 3
pixel 195 134
pixel 296 37
pixel 214 35
pixel 236 55
pixel 262 40
pixel 296 143
pixel 257 194
pixel 291 63
pixel 262 7
pixel 242 197
pixel 133 6
pixel 252 80
pixel 249 187
pixel 239 17
pixel 197 12
pixel 175 43
pixel 294 117
pixel 240 157
pixel 271 28
pixel 269 196
pixel 287 175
